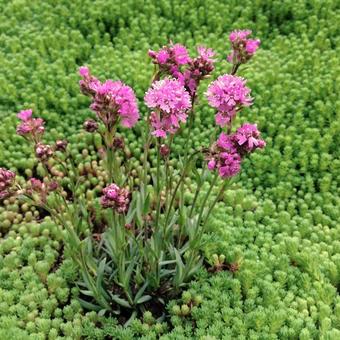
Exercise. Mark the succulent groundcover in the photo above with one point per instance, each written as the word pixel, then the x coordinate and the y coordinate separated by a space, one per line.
pixel 157 188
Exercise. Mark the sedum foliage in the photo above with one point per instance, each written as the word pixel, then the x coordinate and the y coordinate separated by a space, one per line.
pixel 280 231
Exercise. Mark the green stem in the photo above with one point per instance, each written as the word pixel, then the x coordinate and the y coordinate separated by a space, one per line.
pixel 198 190
pixel 184 173
pixel 158 189
pixel 206 199
pixel 224 185
pixel 109 153
pixel 234 68
pixel 168 176
pixel 187 142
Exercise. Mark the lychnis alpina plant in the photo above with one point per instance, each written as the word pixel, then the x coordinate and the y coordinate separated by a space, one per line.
pixel 141 244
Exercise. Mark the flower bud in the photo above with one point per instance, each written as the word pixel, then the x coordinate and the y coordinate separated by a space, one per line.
pixel 90 125
pixel 61 145
pixel 164 150
pixel 43 151
pixel 118 143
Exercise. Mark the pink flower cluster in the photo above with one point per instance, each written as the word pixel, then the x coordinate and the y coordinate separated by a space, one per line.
pixel 227 152
pixel 170 102
pixel 224 157
pixel 7 178
pixel 116 198
pixel 171 59
pixel 242 47
pixel 111 101
pixel 228 94
pixel 30 128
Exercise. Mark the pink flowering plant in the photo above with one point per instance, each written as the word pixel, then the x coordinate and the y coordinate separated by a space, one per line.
pixel 142 244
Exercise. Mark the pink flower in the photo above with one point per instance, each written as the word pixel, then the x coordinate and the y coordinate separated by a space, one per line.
pixel 247 138
pixel 116 198
pixel 30 128
pixel 180 54
pixel 239 35
pixel 228 94
pixel 170 102
pixel 170 55
pixel 84 71
pixel 206 54
pixel 25 115
pixel 252 46
pixel 7 178
pixel 111 101
pixel 224 157
pixel 242 47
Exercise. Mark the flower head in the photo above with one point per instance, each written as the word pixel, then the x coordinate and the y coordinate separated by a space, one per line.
pixel 247 138
pixel 228 94
pixel 116 198
pixel 170 102
pixel 242 47
pixel 7 178
pixel 111 101
pixel 224 157
pixel 30 128
pixel 115 100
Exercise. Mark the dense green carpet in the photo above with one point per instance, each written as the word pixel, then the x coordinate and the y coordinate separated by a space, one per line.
pixel 279 223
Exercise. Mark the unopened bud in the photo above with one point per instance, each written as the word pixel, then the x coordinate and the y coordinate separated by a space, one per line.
pixel 43 151
pixel 164 150
pixel 90 125
pixel 118 143
pixel 61 145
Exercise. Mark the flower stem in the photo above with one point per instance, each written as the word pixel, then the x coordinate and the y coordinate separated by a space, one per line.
pixel 218 196
pixel 184 173
pixel 206 199
pixel 198 190
pixel 158 189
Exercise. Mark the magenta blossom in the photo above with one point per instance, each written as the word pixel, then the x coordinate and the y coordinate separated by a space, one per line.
pixel 242 47
pixel 247 138
pixel 224 157
pixel 30 128
pixel 116 198
pixel 170 55
pixel 112 101
pixel 170 102
pixel 228 94
pixel 7 179
pixel 25 115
